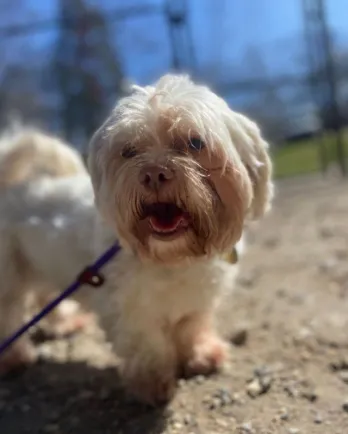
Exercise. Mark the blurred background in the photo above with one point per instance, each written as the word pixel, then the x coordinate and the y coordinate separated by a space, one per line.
pixel 64 63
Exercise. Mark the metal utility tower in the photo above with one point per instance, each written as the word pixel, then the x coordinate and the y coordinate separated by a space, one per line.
pixel 180 35
pixel 322 69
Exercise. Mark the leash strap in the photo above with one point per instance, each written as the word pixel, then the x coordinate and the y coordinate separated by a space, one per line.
pixel 90 276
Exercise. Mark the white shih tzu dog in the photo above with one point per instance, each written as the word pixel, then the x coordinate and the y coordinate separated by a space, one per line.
pixel 176 174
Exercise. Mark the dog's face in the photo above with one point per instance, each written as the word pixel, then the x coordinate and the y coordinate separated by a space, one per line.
pixel 176 172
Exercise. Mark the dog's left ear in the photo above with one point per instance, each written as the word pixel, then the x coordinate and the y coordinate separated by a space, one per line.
pixel 253 150
pixel 95 163
pixel 97 158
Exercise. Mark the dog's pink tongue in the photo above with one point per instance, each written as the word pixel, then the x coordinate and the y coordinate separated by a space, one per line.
pixel 167 225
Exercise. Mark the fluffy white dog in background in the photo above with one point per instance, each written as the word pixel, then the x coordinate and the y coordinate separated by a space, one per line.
pixel 176 174
pixel 34 167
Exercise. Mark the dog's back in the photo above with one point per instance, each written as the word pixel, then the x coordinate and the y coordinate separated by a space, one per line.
pixel 30 160
pixel 27 154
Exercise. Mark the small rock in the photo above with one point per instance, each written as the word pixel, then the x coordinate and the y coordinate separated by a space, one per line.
pixel 246 428
pixel 174 421
pixel 326 232
pixel 297 299
pixel 310 395
pixel 254 388
pixel 271 242
pixel 188 420
pixel 85 394
pixel 284 414
pixel 261 383
pixel 51 428
pixel 214 403
pixel 291 391
pixel 281 292
pixel 262 371
pixel 340 276
pixel 327 265
pixel 344 376
pixel 345 406
pixel 221 398
pixel 265 325
pixel 228 413
pixel 318 419
pixel 222 423
pixel 239 336
pixel 303 334
pixel 339 365
pixel 237 399
pixel 293 430
pixel 247 279
pixel 266 383
pixel 200 379
pixel 341 253
pixel 305 355
pixel 224 397
pixel 177 425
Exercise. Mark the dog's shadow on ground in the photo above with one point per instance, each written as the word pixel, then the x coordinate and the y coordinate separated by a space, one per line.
pixel 72 398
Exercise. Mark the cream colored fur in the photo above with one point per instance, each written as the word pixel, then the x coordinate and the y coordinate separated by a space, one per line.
pixel 27 154
pixel 167 290
pixel 159 304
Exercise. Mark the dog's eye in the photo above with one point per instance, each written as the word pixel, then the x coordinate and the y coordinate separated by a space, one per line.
pixel 196 144
pixel 128 152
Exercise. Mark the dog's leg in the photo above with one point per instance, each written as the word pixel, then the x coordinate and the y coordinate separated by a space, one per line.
pixel 149 364
pixel 67 318
pixel 13 285
pixel 201 351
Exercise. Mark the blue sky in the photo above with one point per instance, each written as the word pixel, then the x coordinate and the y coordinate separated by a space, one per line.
pixel 222 30
pixel 232 39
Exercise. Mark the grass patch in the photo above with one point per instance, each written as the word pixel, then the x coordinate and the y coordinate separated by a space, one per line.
pixel 304 156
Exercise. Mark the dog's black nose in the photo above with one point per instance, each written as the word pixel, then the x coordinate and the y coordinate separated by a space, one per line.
pixel 155 177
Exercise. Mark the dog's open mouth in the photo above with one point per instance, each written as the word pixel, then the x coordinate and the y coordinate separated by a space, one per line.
pixel 166 218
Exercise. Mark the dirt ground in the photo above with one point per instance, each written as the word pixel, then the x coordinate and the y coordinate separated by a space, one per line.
pixel 288 325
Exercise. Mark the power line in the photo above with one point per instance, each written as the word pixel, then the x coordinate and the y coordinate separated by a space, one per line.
pixel 39 26
pixel 261 84
pixel 323 71
pixel 180 38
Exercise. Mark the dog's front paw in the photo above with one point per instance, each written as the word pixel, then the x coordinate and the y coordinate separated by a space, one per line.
pixel 68 318
pixel 151 386
pixel 209 355
pixel 17 357
pixel 66 326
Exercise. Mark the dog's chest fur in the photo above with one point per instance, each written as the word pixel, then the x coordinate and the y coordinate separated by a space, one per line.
pixel 162 294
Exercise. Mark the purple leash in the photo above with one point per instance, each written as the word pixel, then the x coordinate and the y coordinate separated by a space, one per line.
pixel 89 276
